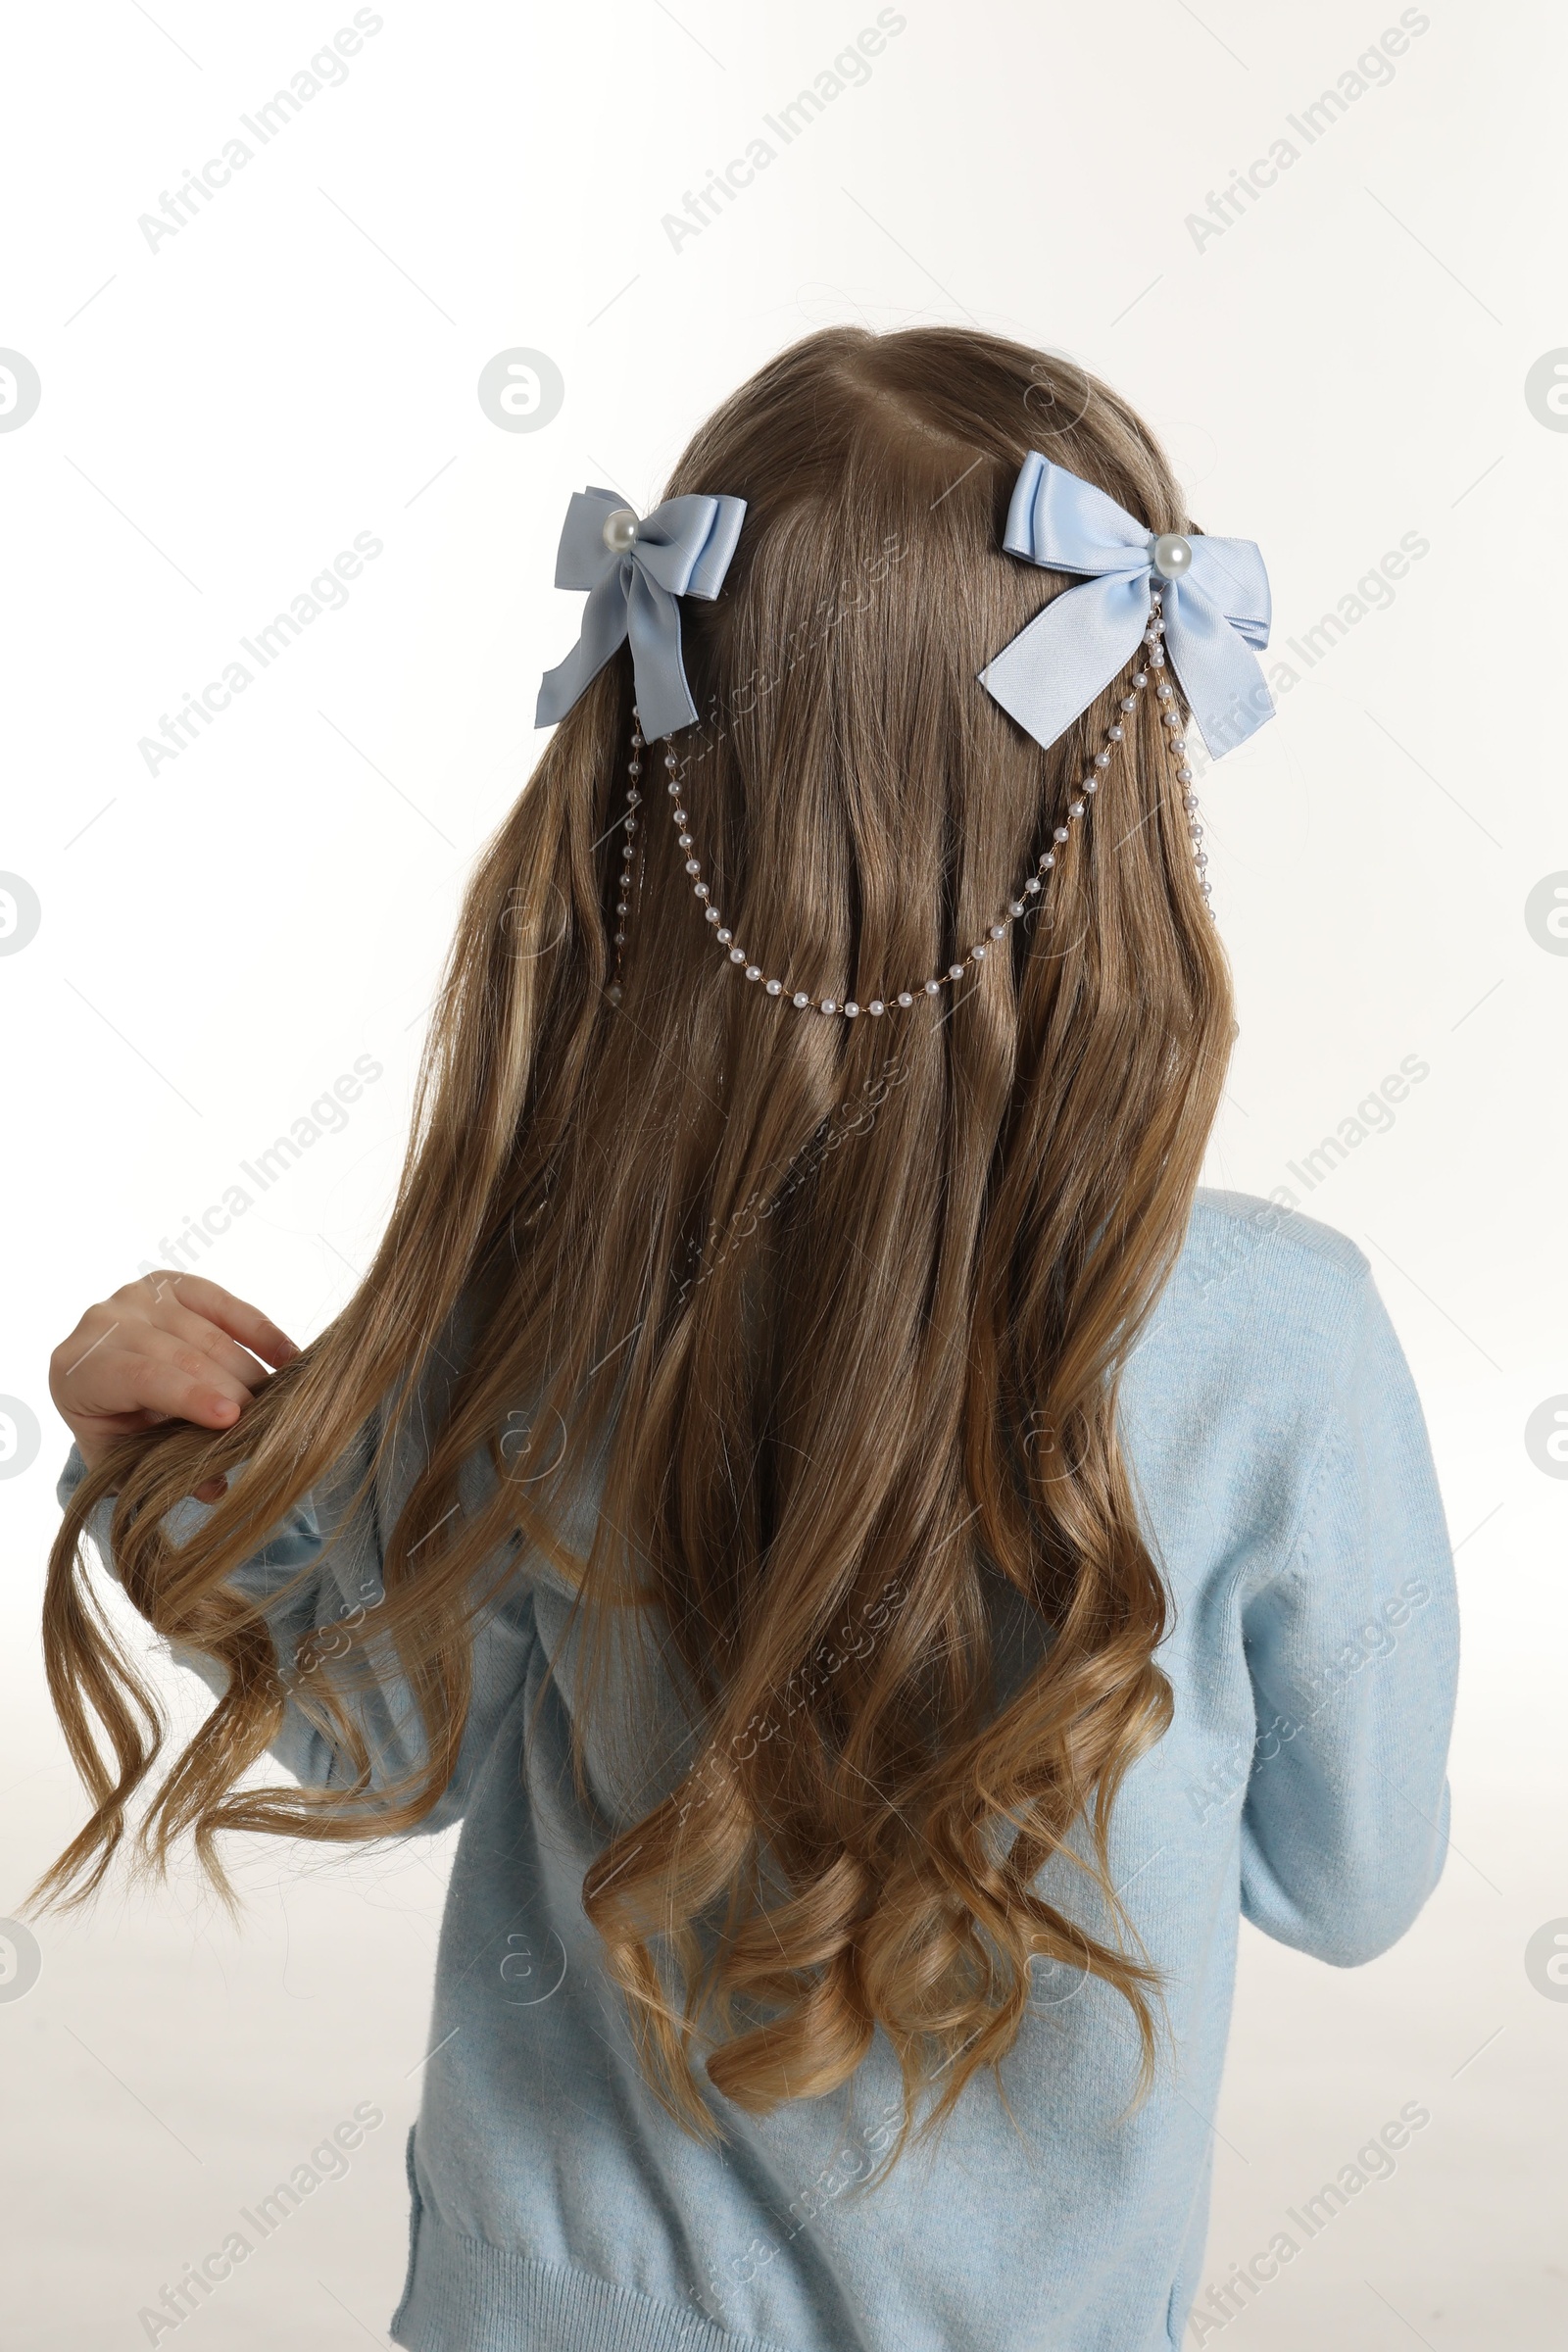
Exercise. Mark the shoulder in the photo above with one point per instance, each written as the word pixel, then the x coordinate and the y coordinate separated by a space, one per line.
pixel 1262 1303
pixel 1239 1374
pixel 1229 1232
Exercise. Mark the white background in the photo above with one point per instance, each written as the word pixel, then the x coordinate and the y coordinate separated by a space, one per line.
pixel 1342 365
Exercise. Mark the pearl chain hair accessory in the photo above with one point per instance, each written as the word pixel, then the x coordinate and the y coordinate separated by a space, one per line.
pixel 1017 906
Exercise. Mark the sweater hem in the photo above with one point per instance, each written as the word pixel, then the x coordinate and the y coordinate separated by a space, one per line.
pixel 466 2295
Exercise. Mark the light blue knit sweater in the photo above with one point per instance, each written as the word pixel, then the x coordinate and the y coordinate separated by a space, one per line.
pixel 1287 1486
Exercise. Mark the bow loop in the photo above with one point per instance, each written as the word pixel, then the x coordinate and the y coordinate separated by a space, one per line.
pixel 1216 608
pixel 683 547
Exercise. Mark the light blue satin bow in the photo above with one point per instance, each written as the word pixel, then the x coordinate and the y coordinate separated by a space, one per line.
pixel 635 569
pixel 1214 611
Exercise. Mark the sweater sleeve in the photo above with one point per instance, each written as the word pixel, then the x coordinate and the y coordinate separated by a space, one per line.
pixel 1353 1649
pixel 317 1614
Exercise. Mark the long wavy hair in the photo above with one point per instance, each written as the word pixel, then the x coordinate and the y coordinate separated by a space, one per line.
pixel 839 1305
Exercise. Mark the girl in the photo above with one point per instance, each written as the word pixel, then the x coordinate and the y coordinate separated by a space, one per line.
pixel 884 1570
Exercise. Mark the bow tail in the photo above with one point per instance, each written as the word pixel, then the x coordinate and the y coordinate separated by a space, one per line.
pixel 653 623
pixel 1221 677
pixel 1050 673
pixel 603 632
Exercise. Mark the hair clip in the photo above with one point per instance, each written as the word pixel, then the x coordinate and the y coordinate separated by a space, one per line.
pixel 1214 601
pixel 635 569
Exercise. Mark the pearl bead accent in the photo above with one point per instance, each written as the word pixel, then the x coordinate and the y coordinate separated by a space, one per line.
pixel 1170 555
pixel 1029 890
pixel 619 533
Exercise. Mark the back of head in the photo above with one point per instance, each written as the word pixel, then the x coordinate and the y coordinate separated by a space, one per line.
pixel 849 1295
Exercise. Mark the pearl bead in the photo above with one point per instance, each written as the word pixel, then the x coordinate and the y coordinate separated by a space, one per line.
pixel 978 951
pixel 1060 833
pixel 850 1011
pixel 1129 701
pixel 876 1006
pixel 634 767
pixel 754 972
pixel 828 1005
pixel 619 533
pixel 1016 909
pixel 800 999
pixel 932 987
pixel 692 867
pixel 712 914
pixel 1091 783
pixel 955 972
pixel 1032 886
pixel 775 988
pixel 1115 734
pixel 905 998
pixel 999 930
pixel 1075 807
pixel 702 890
pixel 1185 775
pixel 1140 679
pixel 736 954
pixel 1170 556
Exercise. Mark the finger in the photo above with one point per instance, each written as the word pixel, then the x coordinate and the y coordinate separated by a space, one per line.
pixel 236 1316
pixel 158 1374
pixel 195 1331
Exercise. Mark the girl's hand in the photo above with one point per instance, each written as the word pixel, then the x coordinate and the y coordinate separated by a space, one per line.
pixel 168 1347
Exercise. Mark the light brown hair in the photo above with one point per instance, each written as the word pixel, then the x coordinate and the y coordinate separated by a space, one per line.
pixel 847 1300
